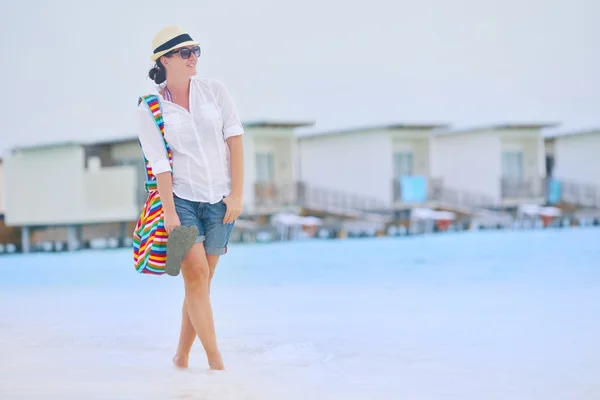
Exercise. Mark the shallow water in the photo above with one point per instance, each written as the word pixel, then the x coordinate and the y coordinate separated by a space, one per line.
pixel 490 315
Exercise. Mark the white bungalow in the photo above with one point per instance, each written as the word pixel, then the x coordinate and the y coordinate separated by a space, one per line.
pixel 368 167
pixel 573 155
pixel 2 190
pixel 271 166
pixel 505 163
pixel 56 185
pixel 270 163
pixel 77 191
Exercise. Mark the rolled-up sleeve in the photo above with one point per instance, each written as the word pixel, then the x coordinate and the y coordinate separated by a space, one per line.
pixel 151 141
pixel 232 126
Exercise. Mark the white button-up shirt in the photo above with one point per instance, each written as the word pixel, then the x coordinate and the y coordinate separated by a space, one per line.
pixel 201 169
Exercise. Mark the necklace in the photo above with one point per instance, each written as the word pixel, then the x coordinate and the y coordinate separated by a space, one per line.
pixel 168 94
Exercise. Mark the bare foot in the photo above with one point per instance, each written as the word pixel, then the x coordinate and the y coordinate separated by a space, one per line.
pixel 180 362
pixel 215 361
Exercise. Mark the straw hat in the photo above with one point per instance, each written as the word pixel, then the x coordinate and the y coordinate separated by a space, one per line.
pixel 170 38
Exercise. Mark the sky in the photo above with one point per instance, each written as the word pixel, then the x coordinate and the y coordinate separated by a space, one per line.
pixel 73 70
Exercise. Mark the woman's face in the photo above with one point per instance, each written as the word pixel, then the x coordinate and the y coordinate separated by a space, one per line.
pixel 182 62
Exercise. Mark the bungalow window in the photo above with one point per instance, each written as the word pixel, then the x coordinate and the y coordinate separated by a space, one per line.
pixel 512 165
pixel 403 164
pixel 265 167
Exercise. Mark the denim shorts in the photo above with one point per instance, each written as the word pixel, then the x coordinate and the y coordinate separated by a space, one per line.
pixel 208 218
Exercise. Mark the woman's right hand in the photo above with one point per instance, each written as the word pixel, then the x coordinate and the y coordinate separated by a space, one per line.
pixel 171 220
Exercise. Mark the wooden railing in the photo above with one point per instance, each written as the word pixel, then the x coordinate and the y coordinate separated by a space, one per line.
pixel 275 194
pixel 463 198
pixel 579 194
pixel 436 191
pixel 309 196
pixel 511 188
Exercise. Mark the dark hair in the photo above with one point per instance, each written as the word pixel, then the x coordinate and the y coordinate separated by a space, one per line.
pixel 158 73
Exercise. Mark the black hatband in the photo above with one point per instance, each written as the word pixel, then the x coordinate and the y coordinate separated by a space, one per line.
pixel 173 42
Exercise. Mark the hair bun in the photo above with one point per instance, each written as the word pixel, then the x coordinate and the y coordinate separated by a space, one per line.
pixel 157 74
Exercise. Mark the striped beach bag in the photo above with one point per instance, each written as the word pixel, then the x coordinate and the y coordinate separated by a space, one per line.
pixel 150 236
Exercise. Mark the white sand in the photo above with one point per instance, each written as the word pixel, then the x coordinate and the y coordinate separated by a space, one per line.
pixel 307 321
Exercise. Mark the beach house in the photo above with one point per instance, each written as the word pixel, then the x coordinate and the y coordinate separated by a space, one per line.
pixel 73 193
pixel 573 154
pixel 271 166
pixel 372 167
pixel 2 191
pixel 60 187
pixel 505 162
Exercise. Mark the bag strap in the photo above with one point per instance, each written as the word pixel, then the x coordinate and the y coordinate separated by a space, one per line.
pixel 153 105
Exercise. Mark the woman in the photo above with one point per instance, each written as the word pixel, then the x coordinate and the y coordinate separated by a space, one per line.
pixel 204 132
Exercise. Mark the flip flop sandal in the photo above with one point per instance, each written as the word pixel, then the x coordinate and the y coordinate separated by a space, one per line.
pixel 180 240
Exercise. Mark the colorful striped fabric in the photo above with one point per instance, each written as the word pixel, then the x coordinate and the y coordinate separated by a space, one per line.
pixel 150 236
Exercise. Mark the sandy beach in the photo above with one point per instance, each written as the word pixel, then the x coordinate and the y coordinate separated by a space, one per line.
pixel 491 315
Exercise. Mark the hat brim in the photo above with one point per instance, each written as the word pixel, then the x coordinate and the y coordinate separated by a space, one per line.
pixel 156 56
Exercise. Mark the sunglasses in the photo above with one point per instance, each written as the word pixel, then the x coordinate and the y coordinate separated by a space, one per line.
pixel 186 52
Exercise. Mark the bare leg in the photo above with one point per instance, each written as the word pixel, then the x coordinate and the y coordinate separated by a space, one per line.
pixel 212 265
pixel 188 334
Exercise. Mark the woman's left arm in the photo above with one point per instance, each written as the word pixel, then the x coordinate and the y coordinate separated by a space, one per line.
pixel 236 161
pixel 232 134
